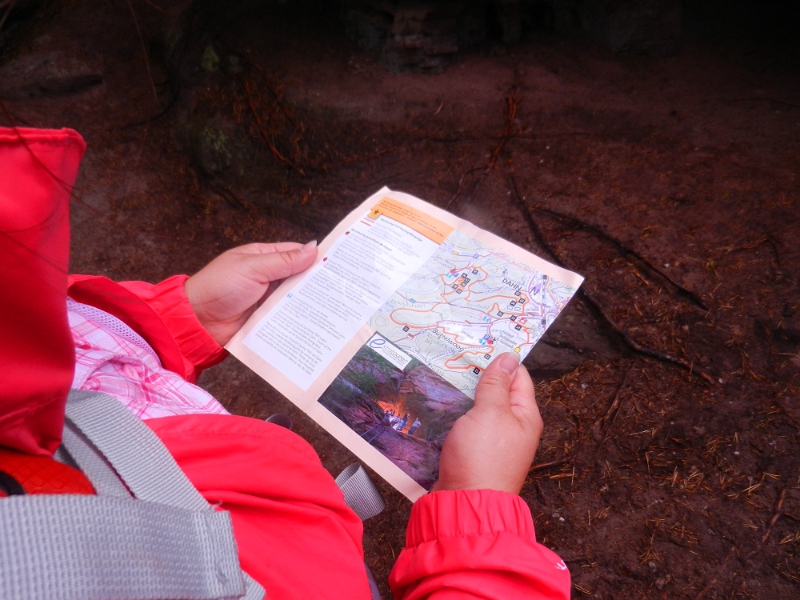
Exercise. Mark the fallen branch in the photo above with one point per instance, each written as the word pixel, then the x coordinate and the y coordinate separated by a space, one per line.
pixel 627 339
pixel 141 41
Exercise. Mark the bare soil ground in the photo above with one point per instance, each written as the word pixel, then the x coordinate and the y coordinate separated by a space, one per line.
pixel 669 387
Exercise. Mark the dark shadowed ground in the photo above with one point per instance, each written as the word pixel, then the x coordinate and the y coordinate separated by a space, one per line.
pixel 669 387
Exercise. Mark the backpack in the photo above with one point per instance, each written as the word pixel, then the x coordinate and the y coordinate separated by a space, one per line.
pixel 147 534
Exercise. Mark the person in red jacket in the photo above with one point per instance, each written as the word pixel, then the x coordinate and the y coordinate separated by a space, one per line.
pixel 471 537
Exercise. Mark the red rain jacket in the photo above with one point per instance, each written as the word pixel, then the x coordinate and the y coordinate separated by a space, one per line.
pixel 295 534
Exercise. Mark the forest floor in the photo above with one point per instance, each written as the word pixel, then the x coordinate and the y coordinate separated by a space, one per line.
pixel 670 462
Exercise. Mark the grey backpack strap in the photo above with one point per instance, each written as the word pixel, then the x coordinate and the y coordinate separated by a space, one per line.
pixel 360 493
pixel 74 547
pixel 132 449
pixel 137 456
pixel 86 457
pixel 166 544
pixel 363 497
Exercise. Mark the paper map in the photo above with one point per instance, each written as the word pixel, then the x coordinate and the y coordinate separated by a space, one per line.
pixel 384 339
pixel 466 305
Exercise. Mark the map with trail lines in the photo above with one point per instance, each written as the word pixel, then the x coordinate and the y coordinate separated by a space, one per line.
pixel 467 304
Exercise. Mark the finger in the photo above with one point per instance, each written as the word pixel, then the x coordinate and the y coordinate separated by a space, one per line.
pixel 522 391
pixel 259 248
pixel 281 264
pixel 495 383
pixel 523 398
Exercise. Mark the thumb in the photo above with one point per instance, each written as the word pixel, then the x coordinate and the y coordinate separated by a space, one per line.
pixel 494 386
pixel 273 266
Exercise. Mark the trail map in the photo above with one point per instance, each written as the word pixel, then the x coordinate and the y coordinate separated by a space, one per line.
pixel 383 340
pixel 467 304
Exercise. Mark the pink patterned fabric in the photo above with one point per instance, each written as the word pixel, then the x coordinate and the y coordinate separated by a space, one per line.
pixel 113 359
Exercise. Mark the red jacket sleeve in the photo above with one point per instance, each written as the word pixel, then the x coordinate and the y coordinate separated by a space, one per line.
pixel 296 535
pixel 160 313
pixel 475 544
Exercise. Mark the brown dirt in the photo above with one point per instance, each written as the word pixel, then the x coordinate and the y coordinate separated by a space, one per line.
pixel 670 183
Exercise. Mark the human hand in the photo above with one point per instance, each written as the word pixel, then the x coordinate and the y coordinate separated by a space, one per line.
pixel 492 446
pixel 225 292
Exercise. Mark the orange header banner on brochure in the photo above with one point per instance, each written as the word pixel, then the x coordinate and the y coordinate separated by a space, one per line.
pixel 433 229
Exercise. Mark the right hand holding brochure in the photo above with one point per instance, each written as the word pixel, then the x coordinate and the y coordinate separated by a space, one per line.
pixel 383 340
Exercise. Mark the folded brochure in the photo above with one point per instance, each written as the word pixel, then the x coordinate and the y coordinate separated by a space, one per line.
pixel 382 341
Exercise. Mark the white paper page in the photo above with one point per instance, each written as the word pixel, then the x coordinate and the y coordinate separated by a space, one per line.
pixel 308 327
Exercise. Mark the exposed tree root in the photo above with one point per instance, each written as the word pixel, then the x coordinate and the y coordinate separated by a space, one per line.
pixel 598 308
pixel 696 299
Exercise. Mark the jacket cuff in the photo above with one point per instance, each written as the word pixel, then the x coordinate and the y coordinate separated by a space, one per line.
pixel 459 513
pixel 168 300
pixel 160 313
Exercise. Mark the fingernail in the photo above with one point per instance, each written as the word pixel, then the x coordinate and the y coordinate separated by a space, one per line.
pixel 309 247
pixel 509 362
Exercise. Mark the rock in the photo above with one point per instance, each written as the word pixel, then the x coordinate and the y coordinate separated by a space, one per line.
pixel 47 73
pixel 647 26
pixel 509 14
pixel 418 458
pixel 426 395
pixel 367 27
pixel 415 36
pixel 219 147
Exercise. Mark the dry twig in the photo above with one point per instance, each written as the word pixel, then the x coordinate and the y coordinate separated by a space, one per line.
pixel 777 514
pixel 549 465
pixel 607 420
